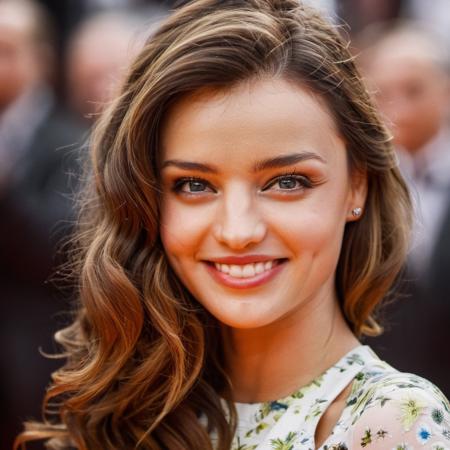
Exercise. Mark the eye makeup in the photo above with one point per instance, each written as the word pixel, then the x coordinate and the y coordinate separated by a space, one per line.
pixel 293 181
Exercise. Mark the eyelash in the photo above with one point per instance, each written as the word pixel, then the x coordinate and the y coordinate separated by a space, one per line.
pixel 305 182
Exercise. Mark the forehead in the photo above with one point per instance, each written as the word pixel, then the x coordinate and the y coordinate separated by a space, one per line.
pixel 255 118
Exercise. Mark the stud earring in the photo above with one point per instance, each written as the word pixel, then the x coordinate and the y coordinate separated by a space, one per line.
pixel 356 212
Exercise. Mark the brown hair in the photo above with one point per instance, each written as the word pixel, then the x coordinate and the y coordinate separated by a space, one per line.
pixel 143 357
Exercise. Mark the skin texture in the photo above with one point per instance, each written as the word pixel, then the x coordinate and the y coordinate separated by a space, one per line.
pixel 283 333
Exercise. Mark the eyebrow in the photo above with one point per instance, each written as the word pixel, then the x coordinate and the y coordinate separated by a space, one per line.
pixel 189 165
pixel 285 160
pixel 259 166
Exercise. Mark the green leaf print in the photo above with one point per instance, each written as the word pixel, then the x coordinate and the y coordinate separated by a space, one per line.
pixel 298 394
pixel 268 407
pixel 261 426
pixel 359 376
pixel 244 446
pixel 317 382
pixel 363 400
pixel 382 399
pixel 445 404
pixel 367 438
pixel 316 409
pixel 285 444
pixel 264 411
pixel 355 359
pixel 377 388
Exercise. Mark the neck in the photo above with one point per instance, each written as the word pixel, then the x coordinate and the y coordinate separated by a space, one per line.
pixel 271 362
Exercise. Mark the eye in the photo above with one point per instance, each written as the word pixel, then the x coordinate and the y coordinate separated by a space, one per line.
pixel 290 182
pixel 190 185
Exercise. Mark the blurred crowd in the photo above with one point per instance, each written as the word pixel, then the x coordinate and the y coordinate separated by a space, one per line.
pixel 60 64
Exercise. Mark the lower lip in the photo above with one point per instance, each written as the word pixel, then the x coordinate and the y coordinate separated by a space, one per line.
pixel 244 283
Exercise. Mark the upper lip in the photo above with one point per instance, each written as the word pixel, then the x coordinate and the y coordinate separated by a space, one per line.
pixel 245 259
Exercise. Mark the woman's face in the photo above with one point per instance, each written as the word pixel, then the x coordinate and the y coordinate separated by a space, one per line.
pixel 256 194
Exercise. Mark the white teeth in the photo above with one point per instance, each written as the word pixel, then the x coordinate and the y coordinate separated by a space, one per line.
pixel 246 270
pixel 259 267
pixel 225 268
pixel 235 271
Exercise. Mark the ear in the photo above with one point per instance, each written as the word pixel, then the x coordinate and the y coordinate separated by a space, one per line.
pixel 358 195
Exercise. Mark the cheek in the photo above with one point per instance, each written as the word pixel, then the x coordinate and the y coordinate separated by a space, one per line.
pixel 315 233
pixel 315 224
pixel 181 228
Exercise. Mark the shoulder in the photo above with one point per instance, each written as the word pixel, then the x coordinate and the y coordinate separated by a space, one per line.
pixel 391 409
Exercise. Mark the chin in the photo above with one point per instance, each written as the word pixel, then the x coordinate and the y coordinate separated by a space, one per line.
pixel 241 325
pixel 244 321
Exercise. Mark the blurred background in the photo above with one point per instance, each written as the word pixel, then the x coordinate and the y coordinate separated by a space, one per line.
pixel 61 62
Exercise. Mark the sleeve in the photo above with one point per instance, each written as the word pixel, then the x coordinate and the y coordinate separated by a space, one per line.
pixel 405 417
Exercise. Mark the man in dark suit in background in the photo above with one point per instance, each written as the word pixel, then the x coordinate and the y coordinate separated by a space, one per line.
pixel 37 150
pixel 439 273
pixel 408 65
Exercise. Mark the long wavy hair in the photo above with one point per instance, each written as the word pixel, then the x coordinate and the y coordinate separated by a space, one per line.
pixel 143 362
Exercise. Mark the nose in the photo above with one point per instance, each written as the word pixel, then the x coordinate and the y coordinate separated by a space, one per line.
pixel 239 222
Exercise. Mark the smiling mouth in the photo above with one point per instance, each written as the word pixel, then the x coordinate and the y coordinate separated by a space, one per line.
pixel 246 271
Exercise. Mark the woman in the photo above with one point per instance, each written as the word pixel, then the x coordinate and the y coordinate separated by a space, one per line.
pixel 246 218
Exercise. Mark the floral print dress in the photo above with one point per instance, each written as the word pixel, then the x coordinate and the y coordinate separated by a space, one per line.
pixel 386 409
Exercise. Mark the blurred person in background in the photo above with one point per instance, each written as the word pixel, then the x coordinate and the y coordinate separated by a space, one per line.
pixel 408 67
pixel 39 171
pixel 437 16
pixel 35 156
pixel 359 14
pixel 69 14
pixel 98 52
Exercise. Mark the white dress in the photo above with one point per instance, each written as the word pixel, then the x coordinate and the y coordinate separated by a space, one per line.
pixel 386 409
